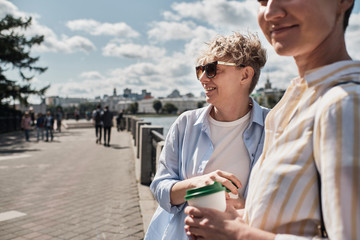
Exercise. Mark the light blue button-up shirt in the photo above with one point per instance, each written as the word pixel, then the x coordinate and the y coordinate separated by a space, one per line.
pixel 187 150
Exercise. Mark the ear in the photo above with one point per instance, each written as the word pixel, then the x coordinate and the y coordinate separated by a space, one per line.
pixel 345 5
pixel 247 75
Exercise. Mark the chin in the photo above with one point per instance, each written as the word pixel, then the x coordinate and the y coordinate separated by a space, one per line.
pixel 283 51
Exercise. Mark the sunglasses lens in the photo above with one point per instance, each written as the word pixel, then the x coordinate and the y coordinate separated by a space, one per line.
pixel 199 71
pixel 210 70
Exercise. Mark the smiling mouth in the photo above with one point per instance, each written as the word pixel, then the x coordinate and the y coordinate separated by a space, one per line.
pixel 209 89
pixel 278 30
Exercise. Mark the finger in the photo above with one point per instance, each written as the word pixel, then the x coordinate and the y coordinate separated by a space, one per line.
pixel 229 185
pixel 236 203
pixel 194 212
pixel 199 233
pixel 188 233
pixel 229 177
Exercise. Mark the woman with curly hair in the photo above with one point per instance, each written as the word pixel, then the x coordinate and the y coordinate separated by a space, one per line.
pixel 220 142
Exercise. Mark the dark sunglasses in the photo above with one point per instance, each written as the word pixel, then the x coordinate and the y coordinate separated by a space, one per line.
pixel 210 68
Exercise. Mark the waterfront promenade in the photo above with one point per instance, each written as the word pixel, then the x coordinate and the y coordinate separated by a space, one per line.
pixel 71 188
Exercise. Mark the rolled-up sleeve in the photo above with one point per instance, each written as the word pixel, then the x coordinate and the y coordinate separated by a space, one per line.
pixel 168 172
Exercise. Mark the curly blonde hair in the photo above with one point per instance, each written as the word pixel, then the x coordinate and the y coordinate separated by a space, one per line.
pixel 237 48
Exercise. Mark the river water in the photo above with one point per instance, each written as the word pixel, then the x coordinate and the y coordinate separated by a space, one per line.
pixel 165 122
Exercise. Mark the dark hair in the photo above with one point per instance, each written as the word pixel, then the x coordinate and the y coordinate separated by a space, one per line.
pixel 98 106
pixel 347 16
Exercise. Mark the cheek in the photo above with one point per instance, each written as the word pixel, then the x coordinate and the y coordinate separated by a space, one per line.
pixel 263 25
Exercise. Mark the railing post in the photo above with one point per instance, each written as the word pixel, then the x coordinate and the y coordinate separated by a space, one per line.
pixel 128 123
pixel 137 139
pixel 146 153
pixel 159 148
pixel 134 120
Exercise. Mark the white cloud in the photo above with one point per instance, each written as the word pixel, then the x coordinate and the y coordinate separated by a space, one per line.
pixel 52 43
pixel 218 13
pixel 166 31
pixel 160 77
pixel 91 75
pixel 352 36
pixel 73 89
pixel 186 30
pixel 64 45
pixel 96 28
pixel 9 8
pixel 134 51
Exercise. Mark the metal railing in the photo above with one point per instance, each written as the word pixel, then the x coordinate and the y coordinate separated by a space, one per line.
pixel 148 140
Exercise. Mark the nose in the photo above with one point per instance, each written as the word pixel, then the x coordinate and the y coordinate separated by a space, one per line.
pixel 203 77
pixel 274 10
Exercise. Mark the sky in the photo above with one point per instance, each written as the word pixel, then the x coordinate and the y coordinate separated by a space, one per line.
pixel 92 47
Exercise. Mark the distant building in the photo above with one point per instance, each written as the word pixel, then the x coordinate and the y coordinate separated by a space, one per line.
pixel 114 101
pixel 65 102
pixel 174 94
pixel 123 104
pixel 135 96
pixel 268 96
pixel 181 103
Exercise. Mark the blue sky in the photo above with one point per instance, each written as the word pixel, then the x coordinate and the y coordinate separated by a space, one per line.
pixel 92 47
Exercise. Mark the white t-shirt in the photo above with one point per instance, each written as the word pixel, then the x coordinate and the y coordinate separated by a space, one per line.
pixel 230 153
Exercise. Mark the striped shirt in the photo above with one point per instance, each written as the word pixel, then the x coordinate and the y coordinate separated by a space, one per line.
pixel 316 122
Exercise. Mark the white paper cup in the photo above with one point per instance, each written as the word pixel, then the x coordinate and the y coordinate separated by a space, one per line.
pixel 210 196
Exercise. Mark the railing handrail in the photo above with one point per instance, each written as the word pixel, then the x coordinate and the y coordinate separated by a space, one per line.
pixel 157 136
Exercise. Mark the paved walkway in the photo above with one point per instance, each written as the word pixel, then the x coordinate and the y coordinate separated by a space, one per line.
pixel 71 188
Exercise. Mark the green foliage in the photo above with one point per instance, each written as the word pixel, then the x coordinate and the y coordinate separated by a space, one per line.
pixel 169 108
pixel 133 108
pixel 200 104
pixel 157 105
pixel 272 101
pixel 15 54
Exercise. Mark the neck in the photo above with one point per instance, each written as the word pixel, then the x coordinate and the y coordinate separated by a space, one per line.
pixel 332 50
pixel 231 113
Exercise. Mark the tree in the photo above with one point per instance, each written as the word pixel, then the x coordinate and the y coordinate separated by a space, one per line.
pixel 169 108
pixel 272 101
pixel 200 104
pixel 133 108
pixel 157 105
pixel 15 54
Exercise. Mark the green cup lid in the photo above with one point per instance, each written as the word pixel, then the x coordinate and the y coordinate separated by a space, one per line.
pixel 203 191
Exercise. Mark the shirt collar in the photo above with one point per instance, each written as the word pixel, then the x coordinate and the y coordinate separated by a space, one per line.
pixel 256 114
pixel 328 73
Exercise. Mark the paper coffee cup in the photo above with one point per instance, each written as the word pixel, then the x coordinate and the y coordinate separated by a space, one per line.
pixel 210 196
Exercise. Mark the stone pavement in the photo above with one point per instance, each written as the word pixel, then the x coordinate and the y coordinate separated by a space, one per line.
pixel 71 188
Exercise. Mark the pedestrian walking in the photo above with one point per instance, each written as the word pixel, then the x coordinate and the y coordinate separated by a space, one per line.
pixel 32 116
pixel 77 114
pixel 119 120
pixel 59 117
pixel 40 126
pixel 49 126
pixel 108 123
pixel 26 125
pixel 98 123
